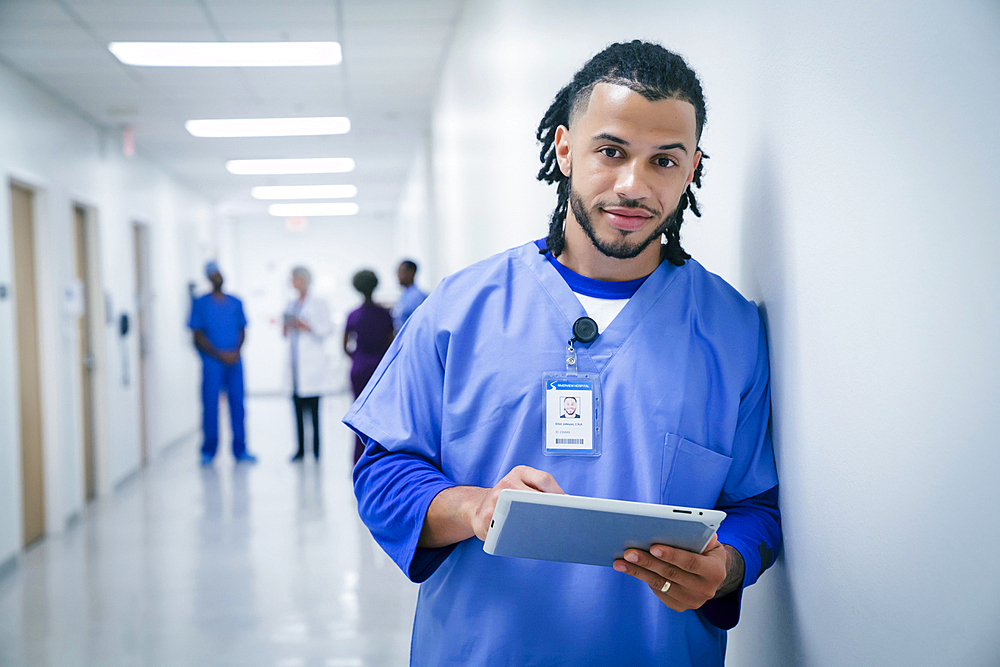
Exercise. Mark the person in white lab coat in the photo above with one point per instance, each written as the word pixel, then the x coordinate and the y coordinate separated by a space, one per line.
pixel 306 324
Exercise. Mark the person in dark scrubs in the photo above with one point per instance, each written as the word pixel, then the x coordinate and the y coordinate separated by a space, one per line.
pixel 367 336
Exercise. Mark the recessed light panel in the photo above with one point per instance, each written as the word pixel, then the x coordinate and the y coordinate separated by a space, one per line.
pixel 316 165
pixel 304 192
pixel 269 127
pixel 312 210
pixel 227 54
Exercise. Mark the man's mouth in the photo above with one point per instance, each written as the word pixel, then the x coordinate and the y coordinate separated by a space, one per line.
pixel 627 219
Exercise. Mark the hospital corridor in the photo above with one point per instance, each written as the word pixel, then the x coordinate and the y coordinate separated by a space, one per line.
pixel 217 565
pixel 299 300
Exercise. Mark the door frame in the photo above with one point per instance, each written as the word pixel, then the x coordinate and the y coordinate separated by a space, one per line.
pixel 98 323
pixel 142 242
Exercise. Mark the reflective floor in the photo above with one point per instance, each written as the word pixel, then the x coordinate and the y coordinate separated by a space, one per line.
pixel 262 564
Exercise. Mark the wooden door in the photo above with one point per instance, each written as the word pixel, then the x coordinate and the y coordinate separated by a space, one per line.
pixel 29 373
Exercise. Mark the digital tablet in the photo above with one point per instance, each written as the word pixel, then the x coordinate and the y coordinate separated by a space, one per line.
pixel 593 531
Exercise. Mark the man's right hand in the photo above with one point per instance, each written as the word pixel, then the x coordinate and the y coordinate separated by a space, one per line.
pixel 460 512
pixel 522 478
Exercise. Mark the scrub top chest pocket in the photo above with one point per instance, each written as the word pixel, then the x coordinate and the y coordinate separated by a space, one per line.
pixel 692 475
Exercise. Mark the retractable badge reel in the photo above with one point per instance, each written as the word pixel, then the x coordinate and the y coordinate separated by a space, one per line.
pixel 572 413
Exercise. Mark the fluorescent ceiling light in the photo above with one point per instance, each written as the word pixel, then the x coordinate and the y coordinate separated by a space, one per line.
pixel 304 192
pixel 315 165
pixel 312 210
pixel 227 54
pixel 269 127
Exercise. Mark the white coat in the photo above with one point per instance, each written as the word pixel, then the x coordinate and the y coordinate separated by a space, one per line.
pixel 315 376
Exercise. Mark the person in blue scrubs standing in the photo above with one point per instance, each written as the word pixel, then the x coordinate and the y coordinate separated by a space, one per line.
pixel 411 297
pixel 219 327
pixel 459 406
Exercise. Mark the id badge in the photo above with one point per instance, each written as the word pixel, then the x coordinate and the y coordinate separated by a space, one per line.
pixel 572 414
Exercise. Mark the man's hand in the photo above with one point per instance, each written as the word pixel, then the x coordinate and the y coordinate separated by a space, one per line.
pixel 229 358
pixel 460 512
pixel 522 478
pixel 694 578
pixel 295 323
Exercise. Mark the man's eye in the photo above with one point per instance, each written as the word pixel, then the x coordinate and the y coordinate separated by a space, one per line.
pixel 665 162
pixel 610 152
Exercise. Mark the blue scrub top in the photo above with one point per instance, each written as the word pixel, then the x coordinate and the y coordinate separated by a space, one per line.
pixel 221 321
pixel 411 297
pixel 457 399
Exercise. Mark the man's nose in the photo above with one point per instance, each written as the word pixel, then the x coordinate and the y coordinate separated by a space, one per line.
pixel 631 182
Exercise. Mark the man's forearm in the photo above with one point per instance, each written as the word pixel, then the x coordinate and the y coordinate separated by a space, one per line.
pixel 460 512
pixel 449 517
pixel 203 344
pixel 735 569
pixel 752 529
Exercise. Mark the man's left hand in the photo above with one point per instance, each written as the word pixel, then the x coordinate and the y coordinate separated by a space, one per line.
pixel 694 578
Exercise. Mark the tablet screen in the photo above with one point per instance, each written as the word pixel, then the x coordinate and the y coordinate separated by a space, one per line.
pixel 596 532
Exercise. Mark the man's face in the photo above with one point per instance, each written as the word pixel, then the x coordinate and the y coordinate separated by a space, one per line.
pixel 299 283
pixel 404 275
pixel 216 279
pixel 629 160
pixel 569 405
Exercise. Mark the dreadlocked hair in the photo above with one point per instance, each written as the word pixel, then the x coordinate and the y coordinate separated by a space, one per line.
pixel 656 74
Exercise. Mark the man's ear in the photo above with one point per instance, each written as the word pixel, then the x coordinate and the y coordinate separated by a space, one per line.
pixel 694 166
pixel 563 151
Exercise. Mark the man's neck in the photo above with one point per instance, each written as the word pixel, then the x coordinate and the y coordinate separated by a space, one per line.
pixel 218 294
pixel 580 255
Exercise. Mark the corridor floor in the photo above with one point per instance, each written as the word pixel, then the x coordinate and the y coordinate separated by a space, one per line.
pixel 264 564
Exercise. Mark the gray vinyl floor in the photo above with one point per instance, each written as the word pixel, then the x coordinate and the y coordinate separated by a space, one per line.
pixel 265 564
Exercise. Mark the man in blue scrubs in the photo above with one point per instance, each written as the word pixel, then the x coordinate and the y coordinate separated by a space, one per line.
pixel 411 297
pixel 456 409
pixel 219 327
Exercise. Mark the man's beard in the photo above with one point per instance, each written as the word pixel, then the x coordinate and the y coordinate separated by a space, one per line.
pixel 620 248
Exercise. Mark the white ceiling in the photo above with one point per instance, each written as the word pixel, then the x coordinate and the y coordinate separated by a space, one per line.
pixel 393 50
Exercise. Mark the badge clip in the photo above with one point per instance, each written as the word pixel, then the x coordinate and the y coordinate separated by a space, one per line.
pixel 584 331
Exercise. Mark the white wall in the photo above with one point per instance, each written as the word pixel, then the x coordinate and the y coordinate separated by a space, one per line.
pixel 66 160
pixel 877 214
pixel 180 231
pixel 508 62
pixel 415 227
pixel 852 191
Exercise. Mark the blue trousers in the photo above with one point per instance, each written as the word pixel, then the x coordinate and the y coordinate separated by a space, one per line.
pixel 216 376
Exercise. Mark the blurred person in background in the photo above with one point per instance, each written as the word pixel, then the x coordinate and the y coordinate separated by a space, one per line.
pixel 306 324
pixel 219 327
pixel 367 336
pixel 412 295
